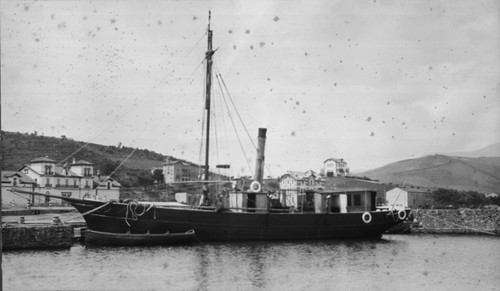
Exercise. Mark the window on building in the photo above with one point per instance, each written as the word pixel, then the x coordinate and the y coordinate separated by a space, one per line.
pixel 14 182
pixel 48 170
pixel 25 170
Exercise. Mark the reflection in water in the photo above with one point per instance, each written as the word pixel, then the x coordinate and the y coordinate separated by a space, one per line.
pixel 396 262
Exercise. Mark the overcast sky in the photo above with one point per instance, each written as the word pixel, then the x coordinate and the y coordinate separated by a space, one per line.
pixel 372 82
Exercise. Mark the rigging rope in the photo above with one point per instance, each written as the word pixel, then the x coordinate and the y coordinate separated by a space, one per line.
pixel 123 162
pixel 200 162
pixel 234 125
pixel 239 116
pixel 134 105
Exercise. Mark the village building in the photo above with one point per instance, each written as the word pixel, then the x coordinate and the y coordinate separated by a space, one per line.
pixel 175 170
pixel 335 167
pixel 74 179
pixel 16 179
pixel 297 189
pixel 407 197
pixel 180 171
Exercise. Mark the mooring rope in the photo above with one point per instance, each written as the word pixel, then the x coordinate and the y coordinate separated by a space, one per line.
pixel 132 208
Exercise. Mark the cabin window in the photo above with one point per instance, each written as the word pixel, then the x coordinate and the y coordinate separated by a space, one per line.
pixel 25 171
pixel 58 182
pixel 354 200
pixel 357 200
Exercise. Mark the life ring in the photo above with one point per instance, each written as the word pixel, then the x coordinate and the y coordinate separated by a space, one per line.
pixel 401 214
pixel 367 217
pixel 255 186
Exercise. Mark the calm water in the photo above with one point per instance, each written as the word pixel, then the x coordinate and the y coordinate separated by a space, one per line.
pixel 416 262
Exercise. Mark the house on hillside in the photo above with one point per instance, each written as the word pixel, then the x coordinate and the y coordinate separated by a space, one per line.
pixel 335 167
pixel 74 179
pixel 175 170
pixel 297 188
pixel 180 171
pixel 407 197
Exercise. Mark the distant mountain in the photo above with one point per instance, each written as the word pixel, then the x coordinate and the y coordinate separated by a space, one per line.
pixel 462 173
pixel 492 150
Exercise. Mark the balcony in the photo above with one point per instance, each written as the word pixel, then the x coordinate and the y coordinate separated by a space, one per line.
pixel 58 186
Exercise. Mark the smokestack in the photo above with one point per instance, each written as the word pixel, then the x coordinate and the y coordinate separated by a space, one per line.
pixel 261 146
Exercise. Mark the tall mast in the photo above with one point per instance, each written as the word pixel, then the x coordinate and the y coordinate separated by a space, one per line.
pixel 208 89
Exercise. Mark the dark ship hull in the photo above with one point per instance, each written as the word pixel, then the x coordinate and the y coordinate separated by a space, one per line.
pixel 211 225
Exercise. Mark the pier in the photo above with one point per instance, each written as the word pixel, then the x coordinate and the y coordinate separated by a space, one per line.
pixel 51 228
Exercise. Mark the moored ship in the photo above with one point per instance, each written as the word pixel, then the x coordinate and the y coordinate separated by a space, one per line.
pixel 235 215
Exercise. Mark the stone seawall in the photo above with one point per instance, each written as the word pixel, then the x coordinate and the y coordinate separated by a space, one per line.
pixel 25 236
pixel 458 221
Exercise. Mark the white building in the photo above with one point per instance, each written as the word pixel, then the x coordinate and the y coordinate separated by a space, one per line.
pixel 297 188
pixel 74 179
pixel 407 197
pixel 335 167
pixel 16 179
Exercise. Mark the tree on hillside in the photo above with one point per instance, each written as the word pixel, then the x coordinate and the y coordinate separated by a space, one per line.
pixel 158 175
pixel 456 199
pixel 145 179
pixel 108 167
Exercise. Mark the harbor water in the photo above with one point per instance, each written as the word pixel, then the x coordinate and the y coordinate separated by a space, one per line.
pixel 395 262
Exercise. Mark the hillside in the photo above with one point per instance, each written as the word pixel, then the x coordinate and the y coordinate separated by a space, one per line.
pixel 492 150
pixel 461 173
pixel 18 149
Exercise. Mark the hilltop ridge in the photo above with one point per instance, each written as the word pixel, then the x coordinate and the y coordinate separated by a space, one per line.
pixel 480 174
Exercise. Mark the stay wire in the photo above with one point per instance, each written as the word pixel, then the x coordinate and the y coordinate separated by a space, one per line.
pixel 116 169
pixel 241 120
pixel 134 105
pixel 234 126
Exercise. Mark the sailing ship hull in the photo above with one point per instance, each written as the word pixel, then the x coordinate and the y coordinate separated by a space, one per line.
pixel 210 225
